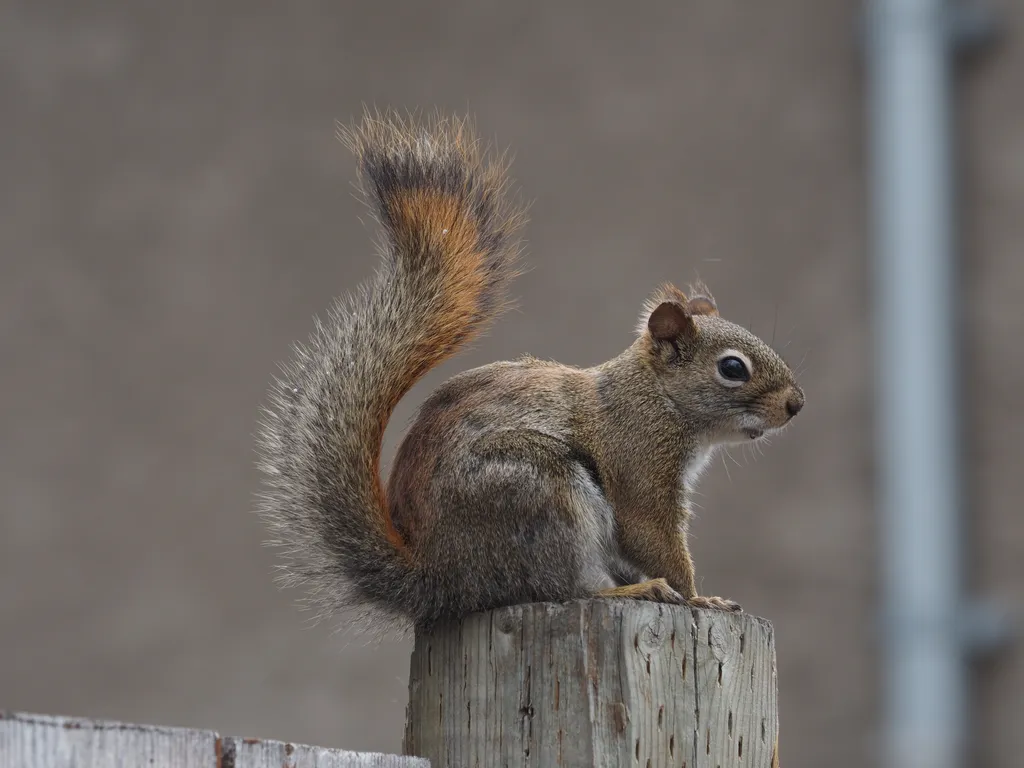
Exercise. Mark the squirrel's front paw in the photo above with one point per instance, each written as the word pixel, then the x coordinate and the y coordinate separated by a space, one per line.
pixel 715 604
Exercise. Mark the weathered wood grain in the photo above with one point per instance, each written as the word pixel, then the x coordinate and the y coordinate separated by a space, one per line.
pixel 40 741
pixel 595 682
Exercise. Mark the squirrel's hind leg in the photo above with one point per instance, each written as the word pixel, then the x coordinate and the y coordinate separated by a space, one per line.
pixel 654 590
pixel 519 519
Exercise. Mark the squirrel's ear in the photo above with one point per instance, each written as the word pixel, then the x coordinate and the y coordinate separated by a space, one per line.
pixel 670 321
pixel 701 305
pixel 701 301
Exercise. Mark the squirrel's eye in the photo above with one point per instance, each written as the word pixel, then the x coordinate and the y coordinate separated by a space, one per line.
pixel 733 369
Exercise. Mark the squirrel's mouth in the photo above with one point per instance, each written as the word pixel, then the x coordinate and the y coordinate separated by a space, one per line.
pixel 753 433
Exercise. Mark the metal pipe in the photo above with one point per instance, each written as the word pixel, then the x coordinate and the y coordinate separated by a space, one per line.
pixel 925 675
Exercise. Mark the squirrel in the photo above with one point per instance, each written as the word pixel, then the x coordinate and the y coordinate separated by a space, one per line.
pixel 517 481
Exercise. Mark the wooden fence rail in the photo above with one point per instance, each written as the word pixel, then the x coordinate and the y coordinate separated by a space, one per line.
pixel 39 741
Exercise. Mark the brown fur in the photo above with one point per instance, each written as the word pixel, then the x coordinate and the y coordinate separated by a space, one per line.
pixel 518 481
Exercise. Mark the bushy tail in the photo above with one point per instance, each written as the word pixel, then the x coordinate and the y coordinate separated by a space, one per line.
pixel 449 246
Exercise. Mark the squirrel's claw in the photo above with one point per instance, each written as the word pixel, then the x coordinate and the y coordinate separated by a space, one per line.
pixel 659 591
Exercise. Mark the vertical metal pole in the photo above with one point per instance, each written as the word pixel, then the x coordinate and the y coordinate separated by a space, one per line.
pixel 916 315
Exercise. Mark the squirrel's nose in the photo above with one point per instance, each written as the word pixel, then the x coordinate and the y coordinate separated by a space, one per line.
pixel 795 403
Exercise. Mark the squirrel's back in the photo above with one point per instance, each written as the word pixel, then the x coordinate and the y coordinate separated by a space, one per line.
pixel 449 247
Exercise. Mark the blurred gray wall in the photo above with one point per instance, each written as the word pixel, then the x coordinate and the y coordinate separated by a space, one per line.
pixel 174 209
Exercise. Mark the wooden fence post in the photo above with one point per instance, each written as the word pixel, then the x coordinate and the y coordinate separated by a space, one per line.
pixel 595 683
